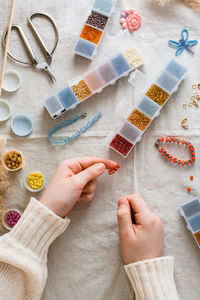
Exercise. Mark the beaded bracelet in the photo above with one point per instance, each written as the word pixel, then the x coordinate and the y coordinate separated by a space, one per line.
pixel 168 156
pixel 77 133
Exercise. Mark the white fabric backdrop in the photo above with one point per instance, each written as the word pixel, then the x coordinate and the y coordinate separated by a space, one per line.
pixel 84 263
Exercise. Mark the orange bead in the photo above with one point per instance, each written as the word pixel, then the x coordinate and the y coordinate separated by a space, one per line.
pixel 166 139
pixel 163 139
pixel 189 189
pixel 182 142
pixel 183 162
pixel 191 178
pixel 178 141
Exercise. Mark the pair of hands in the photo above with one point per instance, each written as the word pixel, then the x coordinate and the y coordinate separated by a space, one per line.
pixel 75 181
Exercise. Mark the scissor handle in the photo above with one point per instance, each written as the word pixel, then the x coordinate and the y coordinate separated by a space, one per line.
pixel 25 42
pixel 48 54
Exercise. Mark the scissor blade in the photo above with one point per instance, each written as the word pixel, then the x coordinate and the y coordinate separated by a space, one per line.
pixel 45 67
pixel 50 75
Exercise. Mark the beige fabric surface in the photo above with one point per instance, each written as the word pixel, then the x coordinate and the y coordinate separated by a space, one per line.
pixel 84 263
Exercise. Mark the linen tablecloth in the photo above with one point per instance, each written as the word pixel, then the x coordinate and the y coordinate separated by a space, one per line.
pixel 84 263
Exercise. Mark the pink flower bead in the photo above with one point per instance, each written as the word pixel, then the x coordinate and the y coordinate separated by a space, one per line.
pixel 133 22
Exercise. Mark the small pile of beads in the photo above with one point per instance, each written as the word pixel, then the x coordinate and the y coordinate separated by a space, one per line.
pixel 11 218
pixel 130 19
pixel 194 98
pixel 169 157
pixel 35 180
pixel 13 160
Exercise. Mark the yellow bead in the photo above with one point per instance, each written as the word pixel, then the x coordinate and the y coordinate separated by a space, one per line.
pixel 35 180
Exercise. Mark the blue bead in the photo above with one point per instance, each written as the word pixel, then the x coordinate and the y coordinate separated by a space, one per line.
pixel 148 107
pixel 176 69
pixel 67 98
pixel 191 208
pixel 120 65
pixel 195 223
pixel 103 6
pixel 84 48
pixel 167 82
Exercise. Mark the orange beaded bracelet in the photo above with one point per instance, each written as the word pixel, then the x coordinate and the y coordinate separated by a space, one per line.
pixel 169 157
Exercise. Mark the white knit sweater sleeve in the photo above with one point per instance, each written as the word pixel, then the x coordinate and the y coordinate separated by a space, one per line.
pixel 23 252
pixel 153 279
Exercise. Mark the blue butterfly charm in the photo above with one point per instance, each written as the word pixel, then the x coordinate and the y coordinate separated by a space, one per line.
pixel 183 43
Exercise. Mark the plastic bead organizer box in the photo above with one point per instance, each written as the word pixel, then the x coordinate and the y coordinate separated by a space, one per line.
pixel 94 28
pixel 190 211
pixel 80 89
pixel 139 118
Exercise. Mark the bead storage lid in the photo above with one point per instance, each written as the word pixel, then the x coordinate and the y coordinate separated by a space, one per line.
pixel 22 125
pixel 5 110
pixel 138 80
pixel 104 7
pixel 11 81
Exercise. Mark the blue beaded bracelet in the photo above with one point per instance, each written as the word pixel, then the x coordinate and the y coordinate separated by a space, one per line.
pixel 76 134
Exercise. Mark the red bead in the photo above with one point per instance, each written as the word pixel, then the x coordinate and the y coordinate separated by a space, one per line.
pixel 189 189
pixel 121 144
pixel 191 178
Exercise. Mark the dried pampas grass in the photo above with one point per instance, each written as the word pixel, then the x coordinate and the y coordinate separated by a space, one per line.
pixel 195 4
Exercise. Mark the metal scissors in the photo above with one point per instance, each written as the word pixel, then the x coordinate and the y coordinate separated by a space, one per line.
pixel 44 65
pixel 183 43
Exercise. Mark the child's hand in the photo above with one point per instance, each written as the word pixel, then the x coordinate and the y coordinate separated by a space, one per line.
pixel 74 181
pixel 143 240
